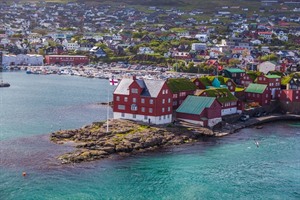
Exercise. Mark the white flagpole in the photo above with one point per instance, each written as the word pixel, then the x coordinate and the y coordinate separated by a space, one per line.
pixel 107 112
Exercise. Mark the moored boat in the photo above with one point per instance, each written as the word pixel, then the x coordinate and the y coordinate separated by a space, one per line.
pixel 2 84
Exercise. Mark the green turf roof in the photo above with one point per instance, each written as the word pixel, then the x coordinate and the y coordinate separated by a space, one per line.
pixel 272 76
pixel 278 73
pixel 285 80
pixel 195 104
pixel 235 70
pixel 223 95
pixel 223 80
pixel 256 88
pixel 205 81
pixel 239 89
pixel 253 75
pixel 180 84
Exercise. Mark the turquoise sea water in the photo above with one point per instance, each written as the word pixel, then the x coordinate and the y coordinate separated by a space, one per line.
pixel 231 167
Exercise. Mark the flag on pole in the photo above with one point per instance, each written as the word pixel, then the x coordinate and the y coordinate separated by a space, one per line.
pixel 113 81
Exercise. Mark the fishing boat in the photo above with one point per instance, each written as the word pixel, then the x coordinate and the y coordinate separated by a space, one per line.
pixel 2 84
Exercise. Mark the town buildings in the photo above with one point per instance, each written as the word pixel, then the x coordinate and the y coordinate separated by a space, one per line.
pixel 22 59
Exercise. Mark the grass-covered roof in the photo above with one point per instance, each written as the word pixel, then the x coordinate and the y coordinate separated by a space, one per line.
pixel 205 81
pixel 278 73
pixel 285 80
pixel 223 95
pixel 253 75
pixel 180 84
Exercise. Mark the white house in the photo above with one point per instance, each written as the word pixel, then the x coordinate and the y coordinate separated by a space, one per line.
pixel 266 66
pixel 71 45
pixel 22 59
pixel 202 37
pixel 199 46
pixel 145 50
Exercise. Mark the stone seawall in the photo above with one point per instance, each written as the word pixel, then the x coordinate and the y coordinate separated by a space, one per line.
pixel 232 128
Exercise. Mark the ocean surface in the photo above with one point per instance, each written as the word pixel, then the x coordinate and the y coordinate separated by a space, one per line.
pixel 232 167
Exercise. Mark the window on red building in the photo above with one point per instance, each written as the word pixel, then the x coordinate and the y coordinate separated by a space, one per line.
pixel 121 107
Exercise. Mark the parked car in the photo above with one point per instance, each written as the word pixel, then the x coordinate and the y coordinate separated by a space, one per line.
pixel 258 114
pixel 244 118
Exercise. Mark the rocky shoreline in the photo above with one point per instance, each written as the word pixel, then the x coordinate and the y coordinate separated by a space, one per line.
pixel 93 142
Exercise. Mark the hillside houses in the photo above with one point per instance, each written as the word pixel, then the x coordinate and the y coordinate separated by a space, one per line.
pixel 228 51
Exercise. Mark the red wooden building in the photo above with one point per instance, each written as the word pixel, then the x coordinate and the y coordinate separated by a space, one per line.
pixel 228 102
pixel 66 60
pixel 180 89
pixel 272 81
pixel 288 95
pixel 206 82
pixel 205 111
pixel 289 100
pixel 258 93
pixel 143 100
pixel 246 80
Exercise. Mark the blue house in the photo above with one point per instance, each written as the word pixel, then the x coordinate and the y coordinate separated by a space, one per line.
pixel 98 52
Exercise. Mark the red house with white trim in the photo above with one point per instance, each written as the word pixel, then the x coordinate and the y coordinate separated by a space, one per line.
pixel 143 100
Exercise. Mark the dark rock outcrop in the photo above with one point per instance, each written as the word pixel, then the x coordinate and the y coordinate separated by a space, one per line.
pixel 93 142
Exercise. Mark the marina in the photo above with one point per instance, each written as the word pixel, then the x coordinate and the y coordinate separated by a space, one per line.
pixel 104 71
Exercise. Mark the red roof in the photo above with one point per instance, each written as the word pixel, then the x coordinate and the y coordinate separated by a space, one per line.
pixel 264 33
